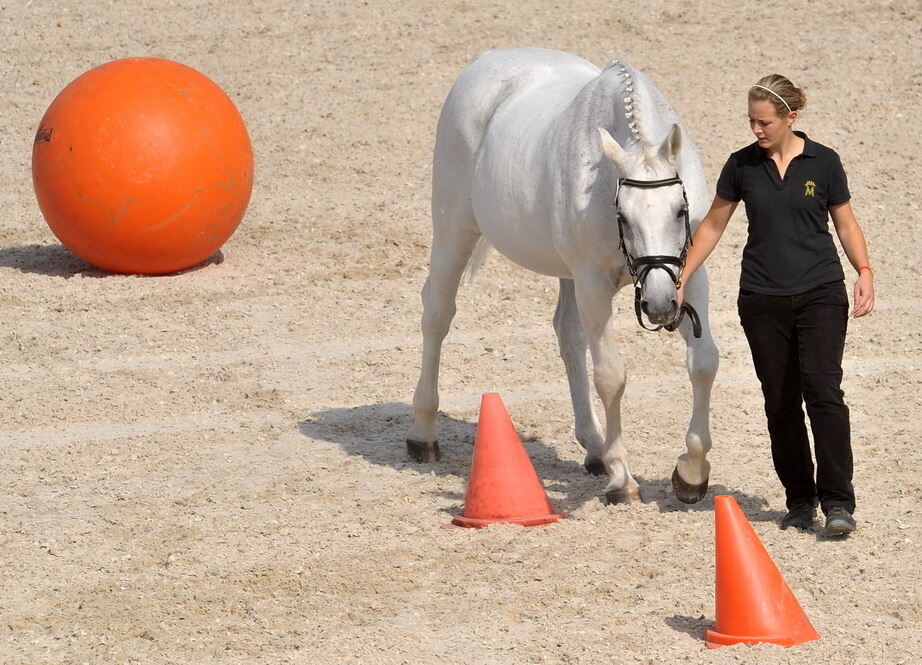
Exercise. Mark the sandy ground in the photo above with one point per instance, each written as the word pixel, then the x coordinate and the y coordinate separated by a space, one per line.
pixel 210 468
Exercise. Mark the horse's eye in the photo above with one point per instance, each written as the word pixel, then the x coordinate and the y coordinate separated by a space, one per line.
pixel 681 214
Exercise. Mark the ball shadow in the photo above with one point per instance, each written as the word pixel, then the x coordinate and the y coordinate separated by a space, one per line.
pixel 49 260
pixel 58 261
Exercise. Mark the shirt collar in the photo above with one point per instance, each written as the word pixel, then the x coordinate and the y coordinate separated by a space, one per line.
pixel 809 146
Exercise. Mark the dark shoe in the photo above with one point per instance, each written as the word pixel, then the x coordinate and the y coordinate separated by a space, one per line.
pixel 800 517
pixel 839 522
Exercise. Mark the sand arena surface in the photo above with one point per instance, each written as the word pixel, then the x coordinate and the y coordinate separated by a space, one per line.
pixel 209 467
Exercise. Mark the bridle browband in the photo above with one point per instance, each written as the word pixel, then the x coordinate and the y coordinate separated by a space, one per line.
pixel 641 266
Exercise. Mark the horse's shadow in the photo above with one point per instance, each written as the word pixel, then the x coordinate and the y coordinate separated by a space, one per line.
pixel 58 261
pixel 377 432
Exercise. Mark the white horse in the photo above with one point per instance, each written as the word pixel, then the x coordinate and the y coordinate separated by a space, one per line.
pixel 584 175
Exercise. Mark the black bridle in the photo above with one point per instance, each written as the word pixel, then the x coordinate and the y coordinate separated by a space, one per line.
pixel 641 266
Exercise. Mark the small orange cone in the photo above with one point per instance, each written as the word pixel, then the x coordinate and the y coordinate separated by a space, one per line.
pixel 753 602
pixel 503 485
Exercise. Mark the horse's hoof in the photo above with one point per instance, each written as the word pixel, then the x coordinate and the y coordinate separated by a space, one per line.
pixel 595 467
pixel 627 495
pixel 685 492
pixel 423 451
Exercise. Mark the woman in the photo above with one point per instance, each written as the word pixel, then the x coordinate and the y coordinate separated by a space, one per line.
pixel 792 302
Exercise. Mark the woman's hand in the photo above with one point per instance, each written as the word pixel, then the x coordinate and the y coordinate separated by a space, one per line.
pixel 856 249
pixel 864 298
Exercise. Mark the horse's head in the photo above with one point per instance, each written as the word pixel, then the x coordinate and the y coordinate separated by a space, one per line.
pixel 652 216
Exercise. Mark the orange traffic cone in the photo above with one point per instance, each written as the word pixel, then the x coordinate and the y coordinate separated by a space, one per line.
pixel 753 602
pixel 503 485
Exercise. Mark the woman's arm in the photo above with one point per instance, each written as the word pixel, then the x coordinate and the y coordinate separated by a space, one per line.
pixel 856 249
pixel 706 238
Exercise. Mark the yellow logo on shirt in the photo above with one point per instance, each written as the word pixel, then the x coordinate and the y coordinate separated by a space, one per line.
pixel 809 188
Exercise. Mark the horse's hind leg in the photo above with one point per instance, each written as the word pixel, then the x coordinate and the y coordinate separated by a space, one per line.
pixel 452 247
pixel 573 346
pixel 690 477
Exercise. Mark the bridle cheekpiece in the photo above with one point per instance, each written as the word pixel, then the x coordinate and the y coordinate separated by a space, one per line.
pixel 641 266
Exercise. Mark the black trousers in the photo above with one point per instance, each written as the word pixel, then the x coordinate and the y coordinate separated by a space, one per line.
pixel 797 343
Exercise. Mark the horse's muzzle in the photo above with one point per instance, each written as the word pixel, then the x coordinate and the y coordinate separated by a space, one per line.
pixel 660 312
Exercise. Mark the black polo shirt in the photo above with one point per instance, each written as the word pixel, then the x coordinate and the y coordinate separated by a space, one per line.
pixel 790 249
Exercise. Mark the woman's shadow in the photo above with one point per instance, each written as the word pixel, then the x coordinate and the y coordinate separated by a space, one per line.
pixel 377 433
pixel 58 261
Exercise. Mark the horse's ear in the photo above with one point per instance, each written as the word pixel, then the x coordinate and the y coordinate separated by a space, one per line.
pixel 611 148
pixel 672 146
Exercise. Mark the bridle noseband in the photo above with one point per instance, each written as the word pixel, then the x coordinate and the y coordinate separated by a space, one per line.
pixel 641 266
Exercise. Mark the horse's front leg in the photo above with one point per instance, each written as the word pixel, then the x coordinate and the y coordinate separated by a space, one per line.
pixel 594 293
pixel 573 345
pixel 690 477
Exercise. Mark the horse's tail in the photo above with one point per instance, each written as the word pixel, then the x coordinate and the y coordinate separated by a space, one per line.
pixel 478 258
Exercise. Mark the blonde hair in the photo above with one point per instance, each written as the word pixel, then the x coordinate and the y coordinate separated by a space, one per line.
pixel 780 92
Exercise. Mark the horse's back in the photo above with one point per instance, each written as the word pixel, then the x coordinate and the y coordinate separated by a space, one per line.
pixel 492 79
pixel 492 140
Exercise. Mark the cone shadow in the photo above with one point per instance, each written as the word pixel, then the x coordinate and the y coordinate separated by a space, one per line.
pixel 694 626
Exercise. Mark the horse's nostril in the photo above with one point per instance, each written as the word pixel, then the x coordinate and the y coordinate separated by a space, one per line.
pixel 645 307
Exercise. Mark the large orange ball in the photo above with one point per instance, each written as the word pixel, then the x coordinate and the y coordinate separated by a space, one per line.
pixel 142 165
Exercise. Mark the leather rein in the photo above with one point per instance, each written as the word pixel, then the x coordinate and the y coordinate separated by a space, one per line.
pixel 641 266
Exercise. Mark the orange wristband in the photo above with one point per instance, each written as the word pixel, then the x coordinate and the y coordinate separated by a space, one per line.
pixel 865 268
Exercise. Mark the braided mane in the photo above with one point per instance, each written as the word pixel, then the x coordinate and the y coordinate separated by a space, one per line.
pixel 630 96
